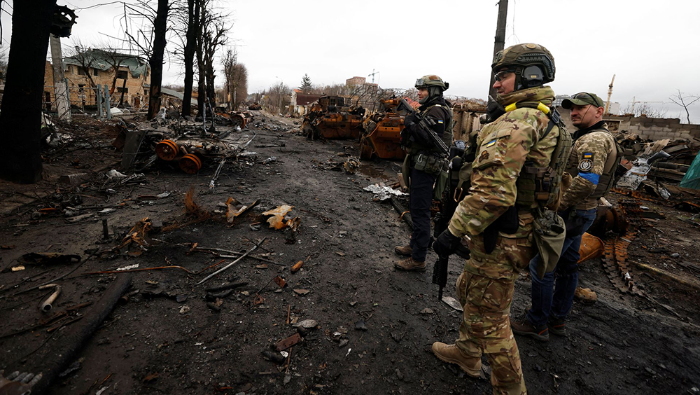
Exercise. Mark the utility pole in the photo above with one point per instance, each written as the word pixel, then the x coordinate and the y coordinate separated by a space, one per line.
pixel 500 39
pixel 60 86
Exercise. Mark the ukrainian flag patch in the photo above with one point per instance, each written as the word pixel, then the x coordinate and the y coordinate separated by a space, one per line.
pixel 490 143
pixel 440 121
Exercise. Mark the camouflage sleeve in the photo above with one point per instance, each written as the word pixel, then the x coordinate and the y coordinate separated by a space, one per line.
pixel 592 152
pixel 502 150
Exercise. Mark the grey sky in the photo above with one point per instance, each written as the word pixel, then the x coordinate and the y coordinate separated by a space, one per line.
pixel 651 47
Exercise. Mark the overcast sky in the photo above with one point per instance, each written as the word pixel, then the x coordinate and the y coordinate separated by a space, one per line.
pixel 651 47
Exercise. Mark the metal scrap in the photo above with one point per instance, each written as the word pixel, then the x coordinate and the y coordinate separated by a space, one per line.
pixel 47 304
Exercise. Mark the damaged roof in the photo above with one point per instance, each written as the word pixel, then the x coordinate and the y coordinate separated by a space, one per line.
pixel 102 60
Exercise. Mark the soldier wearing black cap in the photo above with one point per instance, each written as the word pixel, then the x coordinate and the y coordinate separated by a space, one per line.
pixel 592 164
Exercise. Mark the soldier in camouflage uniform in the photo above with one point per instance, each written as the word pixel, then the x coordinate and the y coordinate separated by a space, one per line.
pixel 519 135
pixel 423 163
pixel 592 164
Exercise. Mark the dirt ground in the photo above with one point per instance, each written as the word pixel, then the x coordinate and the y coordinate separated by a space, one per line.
pixel 374 326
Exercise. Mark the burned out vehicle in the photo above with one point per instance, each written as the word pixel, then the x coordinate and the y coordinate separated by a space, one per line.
pixel 332 117
pixel 381 135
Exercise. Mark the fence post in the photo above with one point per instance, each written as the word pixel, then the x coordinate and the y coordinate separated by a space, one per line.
pixel 108 106
pixel 99 101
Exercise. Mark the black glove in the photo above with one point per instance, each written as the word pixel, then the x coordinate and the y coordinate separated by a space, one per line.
pixel 409 120
pixel 446 244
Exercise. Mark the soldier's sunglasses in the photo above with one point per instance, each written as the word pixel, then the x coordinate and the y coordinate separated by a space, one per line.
pixel 501 75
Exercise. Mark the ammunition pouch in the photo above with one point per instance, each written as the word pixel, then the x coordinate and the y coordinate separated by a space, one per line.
pixel 549 232
pixel 535 185
pixel 430 164
pixel 507 223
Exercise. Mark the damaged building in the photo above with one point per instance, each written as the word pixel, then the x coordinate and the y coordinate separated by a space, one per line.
pixel 126 77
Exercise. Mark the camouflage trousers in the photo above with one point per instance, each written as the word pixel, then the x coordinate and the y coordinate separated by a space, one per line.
pixel 485 290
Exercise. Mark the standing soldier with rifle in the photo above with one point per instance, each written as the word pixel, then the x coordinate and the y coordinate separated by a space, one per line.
pixel 426 162
pixel 519 161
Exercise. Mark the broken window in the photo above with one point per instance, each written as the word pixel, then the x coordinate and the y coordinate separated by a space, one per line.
pixel 81 71
pixel 95 72
pixel 123 74
pixel 120 90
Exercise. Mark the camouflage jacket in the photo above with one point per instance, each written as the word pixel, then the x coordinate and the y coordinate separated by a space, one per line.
pixel 586 165
pixel 503 148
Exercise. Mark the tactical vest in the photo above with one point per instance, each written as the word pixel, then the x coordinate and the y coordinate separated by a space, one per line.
pixel 542 184
pixel 447 136
pixel 607 179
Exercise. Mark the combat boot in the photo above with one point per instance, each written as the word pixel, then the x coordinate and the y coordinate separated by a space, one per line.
pixel 411 265
pixel 557 325
pixel 403 250
pixel 525 328
pixel 450 353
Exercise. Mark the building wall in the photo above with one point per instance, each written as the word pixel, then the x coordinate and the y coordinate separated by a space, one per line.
pixel 663 128
pixel 135 93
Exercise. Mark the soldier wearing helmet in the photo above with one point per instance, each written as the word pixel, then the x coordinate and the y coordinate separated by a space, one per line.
pixel 423 163
pixel 498 213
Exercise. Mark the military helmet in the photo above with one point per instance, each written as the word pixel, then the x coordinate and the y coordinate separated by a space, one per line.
pixel 427 81
pixel 523 56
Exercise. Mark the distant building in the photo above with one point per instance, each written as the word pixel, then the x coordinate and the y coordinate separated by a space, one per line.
pixel 355 81
pixel 122 73
pixel 300 101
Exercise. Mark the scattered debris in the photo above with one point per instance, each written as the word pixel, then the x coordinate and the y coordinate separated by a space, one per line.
pixel 47 305
pixel 48 258
pixel 382 192
pixel 278 221
pixel 288 342
pixel 306 324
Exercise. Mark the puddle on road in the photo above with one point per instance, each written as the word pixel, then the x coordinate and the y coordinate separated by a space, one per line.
pixel 372 171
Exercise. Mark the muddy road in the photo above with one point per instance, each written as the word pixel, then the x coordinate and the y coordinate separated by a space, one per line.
pixel 373 326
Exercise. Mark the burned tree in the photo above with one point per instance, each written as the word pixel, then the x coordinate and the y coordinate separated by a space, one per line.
pixel 684 101
pixel 189 50
pixel 236 77
pixel 211 35
pixel 150 40
pixel 86 62
pixel 20 121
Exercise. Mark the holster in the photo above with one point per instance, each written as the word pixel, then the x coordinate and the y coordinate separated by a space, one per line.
pixel 507 223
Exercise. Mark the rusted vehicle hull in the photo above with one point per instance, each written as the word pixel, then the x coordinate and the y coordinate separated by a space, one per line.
pixel 382 133
pixel 330 118
pixel 383 138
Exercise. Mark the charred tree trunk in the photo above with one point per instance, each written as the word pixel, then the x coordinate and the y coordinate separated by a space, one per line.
pixel 190 48
pixel 20 122
pixel 156 63
pixel 211 90
pixel 201 81
pixel 201 85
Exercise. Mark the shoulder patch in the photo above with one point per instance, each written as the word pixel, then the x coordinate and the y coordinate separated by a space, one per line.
pixel 585 165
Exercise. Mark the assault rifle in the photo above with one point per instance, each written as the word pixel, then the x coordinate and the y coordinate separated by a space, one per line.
pixel 448 205
pixel 425 125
